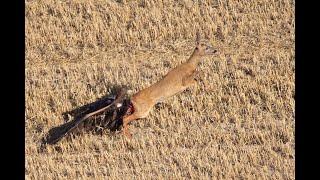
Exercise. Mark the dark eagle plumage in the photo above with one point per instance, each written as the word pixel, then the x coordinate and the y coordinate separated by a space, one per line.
pixel 104 114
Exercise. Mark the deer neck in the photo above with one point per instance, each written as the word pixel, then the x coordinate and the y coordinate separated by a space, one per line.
pixel 194 59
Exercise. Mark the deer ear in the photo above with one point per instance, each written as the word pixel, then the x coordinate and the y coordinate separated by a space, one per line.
pixel 197 38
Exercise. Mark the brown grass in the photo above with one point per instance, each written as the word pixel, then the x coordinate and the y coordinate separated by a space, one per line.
pixel 239 122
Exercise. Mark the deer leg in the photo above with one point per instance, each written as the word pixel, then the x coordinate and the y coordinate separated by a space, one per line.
pixel 190 80
pixel 198 75
pixel 126 121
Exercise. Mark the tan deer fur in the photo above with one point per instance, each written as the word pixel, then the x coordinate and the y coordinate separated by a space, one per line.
pixel 175 81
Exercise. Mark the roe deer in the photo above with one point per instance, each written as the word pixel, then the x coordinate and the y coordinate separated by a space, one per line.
pixel 175 81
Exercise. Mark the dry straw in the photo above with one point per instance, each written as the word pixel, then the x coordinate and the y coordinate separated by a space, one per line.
pixel 238 123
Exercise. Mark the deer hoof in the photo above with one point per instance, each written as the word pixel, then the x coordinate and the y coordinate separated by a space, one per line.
pixel 127 134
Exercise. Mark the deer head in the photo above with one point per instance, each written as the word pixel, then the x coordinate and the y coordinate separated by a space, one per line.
pixel 202 48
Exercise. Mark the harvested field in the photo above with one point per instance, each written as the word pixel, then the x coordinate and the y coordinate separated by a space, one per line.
pixel 237 124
